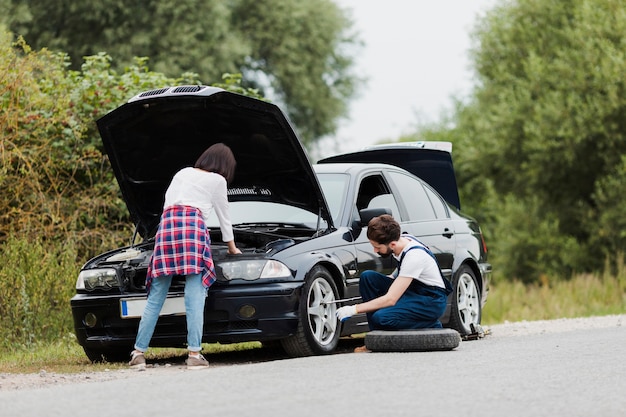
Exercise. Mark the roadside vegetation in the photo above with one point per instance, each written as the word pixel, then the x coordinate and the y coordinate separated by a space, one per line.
pixel 539 145
pixel 583 295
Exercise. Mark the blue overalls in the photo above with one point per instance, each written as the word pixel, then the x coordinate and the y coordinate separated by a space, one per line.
pixel 419 307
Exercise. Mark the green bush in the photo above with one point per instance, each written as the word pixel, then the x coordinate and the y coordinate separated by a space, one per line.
pixel 55 179
pixel 38 279
pixel 527 245
pixel 59 200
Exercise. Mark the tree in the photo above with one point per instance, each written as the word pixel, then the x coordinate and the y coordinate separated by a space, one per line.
pixel 546 124
pixel 295 52
pixel 540 145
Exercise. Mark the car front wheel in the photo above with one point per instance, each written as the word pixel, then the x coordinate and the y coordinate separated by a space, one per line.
pixel 318 331
pixel 108 355
pixel 466 309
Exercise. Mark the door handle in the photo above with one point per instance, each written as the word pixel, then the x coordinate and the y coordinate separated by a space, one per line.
pixel 447 233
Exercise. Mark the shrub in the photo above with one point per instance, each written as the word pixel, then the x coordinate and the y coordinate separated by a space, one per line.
pixel 527 244
pixel 38 280
pixel 59 199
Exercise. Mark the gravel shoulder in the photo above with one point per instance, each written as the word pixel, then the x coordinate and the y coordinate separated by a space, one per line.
pixel 9 381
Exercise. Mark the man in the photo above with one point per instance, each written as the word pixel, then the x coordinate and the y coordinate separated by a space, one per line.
pixel 414 296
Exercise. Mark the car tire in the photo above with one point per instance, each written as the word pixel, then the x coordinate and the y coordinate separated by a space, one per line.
pixel 466 303
pixel 318 328
pixel 418 340
pixel 108 355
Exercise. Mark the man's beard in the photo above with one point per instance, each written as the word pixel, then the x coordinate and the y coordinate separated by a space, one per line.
pixel 386 255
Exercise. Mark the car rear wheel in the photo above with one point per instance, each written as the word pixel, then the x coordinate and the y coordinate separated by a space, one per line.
pixel 318 330
pixel 466 309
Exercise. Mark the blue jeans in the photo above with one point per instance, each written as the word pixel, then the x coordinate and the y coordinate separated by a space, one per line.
pixel 195 295
pixel 418 308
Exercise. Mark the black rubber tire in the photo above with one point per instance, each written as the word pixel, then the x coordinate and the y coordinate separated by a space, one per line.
pixel 418 340
pixel 108 355
pixel 466 306
pixel 318 329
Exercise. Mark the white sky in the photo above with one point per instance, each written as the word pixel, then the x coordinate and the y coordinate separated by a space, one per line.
pixel 415 58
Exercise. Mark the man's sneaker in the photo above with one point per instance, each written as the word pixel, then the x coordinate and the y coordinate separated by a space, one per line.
pixel 197 362
pixel 137 361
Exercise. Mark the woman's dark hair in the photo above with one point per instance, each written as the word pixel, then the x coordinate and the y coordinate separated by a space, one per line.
pixel 218 158
pixel 383 229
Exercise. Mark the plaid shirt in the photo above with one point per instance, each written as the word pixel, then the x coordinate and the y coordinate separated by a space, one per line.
pixel 182 246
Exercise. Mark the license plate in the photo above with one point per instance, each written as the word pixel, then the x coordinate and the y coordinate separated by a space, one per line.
pixel 133 307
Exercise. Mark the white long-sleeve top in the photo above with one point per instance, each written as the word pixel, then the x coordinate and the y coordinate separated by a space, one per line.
pixel 204 190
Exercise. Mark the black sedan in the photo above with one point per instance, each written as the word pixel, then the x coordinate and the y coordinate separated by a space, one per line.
pixel 300 227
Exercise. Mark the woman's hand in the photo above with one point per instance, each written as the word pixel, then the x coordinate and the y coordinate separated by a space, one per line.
pixel 232 249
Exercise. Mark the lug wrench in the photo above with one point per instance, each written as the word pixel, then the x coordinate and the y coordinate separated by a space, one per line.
pixel 344 300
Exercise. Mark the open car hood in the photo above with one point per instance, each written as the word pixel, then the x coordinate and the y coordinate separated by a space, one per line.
pixel 431 161
pixel 159 132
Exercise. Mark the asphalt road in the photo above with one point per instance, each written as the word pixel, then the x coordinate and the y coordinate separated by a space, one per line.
pixel 577 372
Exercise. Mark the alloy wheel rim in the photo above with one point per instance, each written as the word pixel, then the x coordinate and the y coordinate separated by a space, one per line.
pixel 467 300
pixel 321 311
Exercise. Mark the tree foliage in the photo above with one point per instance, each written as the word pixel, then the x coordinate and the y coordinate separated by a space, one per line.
pixel 55 180
pixel 295 52
pixel 539 147
pixel 544 134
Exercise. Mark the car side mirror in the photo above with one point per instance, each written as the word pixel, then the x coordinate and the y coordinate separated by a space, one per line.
pixel 368 214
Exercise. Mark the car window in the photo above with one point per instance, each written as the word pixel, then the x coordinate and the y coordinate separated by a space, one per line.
pixel 438 203
pixel 385 201
pixel 334 187
pixel 414 197
pixel 371 186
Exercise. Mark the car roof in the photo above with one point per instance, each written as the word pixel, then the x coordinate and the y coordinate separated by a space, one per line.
pixel 430 161
pixel 351 168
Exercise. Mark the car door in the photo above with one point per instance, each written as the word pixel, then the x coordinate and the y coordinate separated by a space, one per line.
pixel 424 214
pixel 373 191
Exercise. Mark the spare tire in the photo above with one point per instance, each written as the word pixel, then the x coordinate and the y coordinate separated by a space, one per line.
pixel 418 340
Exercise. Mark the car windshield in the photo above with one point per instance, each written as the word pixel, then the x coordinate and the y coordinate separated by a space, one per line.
pixel 263 212
pixel 334 187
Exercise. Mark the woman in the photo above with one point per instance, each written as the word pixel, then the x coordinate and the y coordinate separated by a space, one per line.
pixel 183 247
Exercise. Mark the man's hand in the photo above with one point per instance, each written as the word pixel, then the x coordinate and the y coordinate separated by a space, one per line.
pixel 343 313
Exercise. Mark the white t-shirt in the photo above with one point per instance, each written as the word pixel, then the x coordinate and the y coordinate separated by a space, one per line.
pixel 204 190
pixel 419 265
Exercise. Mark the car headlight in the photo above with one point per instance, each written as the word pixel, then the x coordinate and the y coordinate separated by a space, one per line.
pixel 102 279
pixel 251 269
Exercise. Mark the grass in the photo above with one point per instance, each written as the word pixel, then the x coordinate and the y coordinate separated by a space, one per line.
pixel 67 356
pixel 582 296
